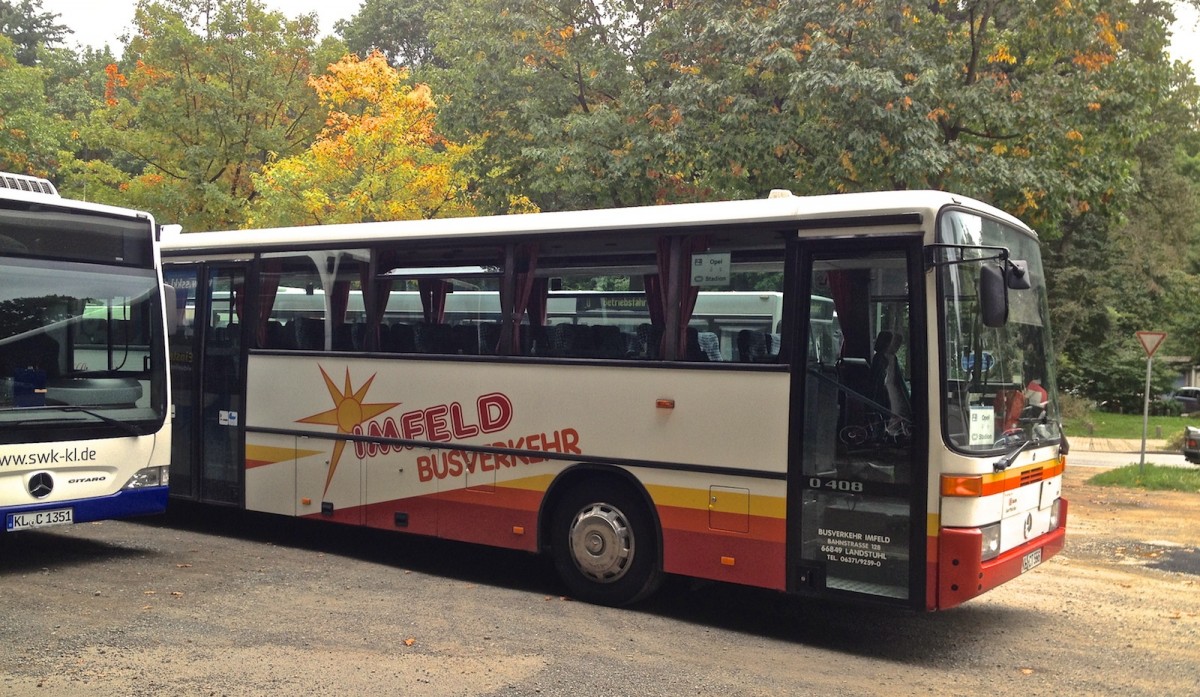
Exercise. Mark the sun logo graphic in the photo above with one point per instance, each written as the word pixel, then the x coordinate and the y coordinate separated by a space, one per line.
pixel 349 410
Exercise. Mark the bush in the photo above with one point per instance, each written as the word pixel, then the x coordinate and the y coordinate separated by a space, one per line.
pixel 1165 407
pixel 1074 407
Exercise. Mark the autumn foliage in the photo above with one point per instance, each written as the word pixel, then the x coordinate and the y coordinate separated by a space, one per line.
pixel 379 156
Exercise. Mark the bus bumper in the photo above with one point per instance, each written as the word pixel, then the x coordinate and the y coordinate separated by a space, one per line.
pixel 961 574
pixel 126 503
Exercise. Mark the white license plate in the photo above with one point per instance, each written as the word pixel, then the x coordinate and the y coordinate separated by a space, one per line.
pixel 1031 560
pixel 40 519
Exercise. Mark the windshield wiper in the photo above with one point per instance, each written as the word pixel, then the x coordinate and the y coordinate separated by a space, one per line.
pixel 125 426
pixel 1007 461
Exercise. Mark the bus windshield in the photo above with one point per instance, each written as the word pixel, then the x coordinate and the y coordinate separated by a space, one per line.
pixel 999 384
pixel 75 350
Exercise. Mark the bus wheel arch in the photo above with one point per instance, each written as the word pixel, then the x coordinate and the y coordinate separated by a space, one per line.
pixel 603 535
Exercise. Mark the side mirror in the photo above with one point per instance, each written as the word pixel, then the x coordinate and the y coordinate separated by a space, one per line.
pixel 993 295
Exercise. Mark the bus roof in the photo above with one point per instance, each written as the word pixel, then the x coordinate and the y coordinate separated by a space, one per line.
pixel 780 207
pixel 24 182
pixel 21 187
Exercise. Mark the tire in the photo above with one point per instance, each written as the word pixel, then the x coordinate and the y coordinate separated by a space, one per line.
pixel 604 544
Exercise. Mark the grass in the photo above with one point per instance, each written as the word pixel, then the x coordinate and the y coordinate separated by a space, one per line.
pixel 1152 477
pixel 1099 424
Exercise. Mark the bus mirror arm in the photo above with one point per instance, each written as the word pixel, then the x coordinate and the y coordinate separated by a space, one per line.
pixel 1015 271
pixel 1016 274
pixel 995 280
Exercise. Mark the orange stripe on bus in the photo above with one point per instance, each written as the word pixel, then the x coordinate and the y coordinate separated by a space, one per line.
pixel 975 485
pixel 767 529
pixel 259 455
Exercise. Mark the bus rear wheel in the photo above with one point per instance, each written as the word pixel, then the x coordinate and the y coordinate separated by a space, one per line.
pixel 604 544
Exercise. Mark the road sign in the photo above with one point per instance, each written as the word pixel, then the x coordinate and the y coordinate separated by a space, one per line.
pixel 1151 341
pixel 967 361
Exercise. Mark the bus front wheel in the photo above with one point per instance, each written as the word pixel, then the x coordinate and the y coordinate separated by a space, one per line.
pixel 604 544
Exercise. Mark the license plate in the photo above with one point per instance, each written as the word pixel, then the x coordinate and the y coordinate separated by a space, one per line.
pixel 40 519
pixel 1031 560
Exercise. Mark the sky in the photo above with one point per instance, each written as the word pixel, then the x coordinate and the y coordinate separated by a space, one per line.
pixel 99 22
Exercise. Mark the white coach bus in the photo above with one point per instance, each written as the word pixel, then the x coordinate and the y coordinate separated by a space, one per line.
pixel 591 385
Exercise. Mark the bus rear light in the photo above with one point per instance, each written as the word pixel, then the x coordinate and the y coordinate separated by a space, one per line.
pixel 991 542
pixel 953 485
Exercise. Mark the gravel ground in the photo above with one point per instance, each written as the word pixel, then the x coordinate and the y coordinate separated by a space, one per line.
pixel 211 602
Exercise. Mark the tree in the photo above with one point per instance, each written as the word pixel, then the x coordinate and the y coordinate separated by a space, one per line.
pixel 396 28
pixel 210 91
pixel 554 91
pixel 31 135
pixel 30 29
pixel 379 157
pixel 1035 106
pixel 1113 275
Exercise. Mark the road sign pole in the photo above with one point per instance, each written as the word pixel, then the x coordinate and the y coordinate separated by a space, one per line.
pixel 1150 342
pixel 1145 416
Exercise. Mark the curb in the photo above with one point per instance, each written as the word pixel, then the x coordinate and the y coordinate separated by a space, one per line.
pixel 1118 445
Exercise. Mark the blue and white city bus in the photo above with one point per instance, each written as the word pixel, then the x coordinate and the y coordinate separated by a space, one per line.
pixel 84 386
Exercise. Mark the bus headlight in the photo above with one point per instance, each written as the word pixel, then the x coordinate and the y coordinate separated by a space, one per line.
pixel 1054 513
pixel 148 476
pixel 991 542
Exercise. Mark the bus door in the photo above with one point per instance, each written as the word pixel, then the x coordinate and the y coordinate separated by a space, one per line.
pixel 207 368
pixel 856 480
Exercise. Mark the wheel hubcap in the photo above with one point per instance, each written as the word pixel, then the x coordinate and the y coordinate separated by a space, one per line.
pixel 602 543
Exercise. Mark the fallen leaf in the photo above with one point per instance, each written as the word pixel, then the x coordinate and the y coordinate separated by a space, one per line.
pixel 183 566
pixel 409 641
pixel 177 594
pixel 1027 671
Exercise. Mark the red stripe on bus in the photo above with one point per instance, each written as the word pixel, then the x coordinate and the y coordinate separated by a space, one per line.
pixel 693 547
pixel 725 557
pixel 931 572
